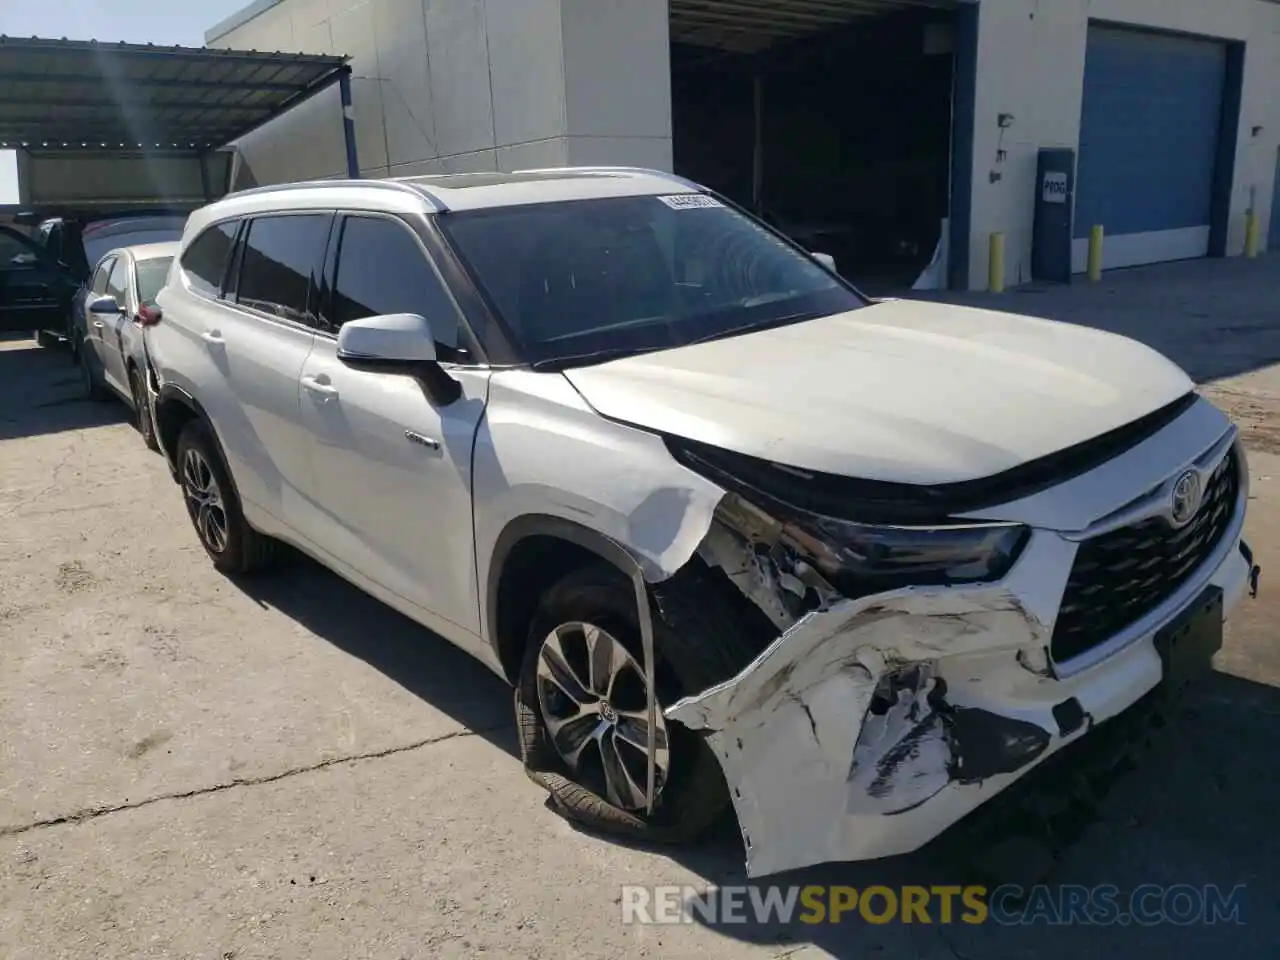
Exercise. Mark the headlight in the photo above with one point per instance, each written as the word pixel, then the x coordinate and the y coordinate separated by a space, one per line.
pixel 883 557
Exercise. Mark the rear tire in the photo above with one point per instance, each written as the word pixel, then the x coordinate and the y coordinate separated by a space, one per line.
pixel 213 506
pixel 704 651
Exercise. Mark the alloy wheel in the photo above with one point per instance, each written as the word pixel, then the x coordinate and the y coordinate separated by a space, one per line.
pixel 594 703
pixel 204 500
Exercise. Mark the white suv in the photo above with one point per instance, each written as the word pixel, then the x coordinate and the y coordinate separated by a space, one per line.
pixel 889 556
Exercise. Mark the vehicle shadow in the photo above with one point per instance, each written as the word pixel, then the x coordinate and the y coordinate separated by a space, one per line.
pixel 1215 318
pixel 1197 811
pixel 41 393
pixel 420 661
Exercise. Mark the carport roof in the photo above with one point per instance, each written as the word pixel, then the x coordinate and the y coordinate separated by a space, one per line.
pixel 750 26
pixel 72 94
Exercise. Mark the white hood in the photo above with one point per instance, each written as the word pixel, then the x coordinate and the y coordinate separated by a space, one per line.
pixel 904 391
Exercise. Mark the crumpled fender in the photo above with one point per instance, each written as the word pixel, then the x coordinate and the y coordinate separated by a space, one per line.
pixel 806 755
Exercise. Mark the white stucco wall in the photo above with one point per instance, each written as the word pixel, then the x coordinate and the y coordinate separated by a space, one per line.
pixel 1031 64
pixel 448 86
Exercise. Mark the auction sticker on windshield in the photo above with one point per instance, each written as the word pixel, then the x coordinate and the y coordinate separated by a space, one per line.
pixel 690 201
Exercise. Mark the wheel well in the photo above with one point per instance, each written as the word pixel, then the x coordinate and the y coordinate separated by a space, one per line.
pixel 172 415
pixel 534 565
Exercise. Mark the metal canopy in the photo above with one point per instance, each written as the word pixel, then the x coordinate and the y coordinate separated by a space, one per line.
pixel 85 95
pixel 750 26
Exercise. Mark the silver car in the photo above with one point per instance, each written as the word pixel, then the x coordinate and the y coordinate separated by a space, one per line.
pixel 119 303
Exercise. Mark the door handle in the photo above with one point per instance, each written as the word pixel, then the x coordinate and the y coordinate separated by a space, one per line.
pixel 213 336
pixel 421 440
pixel 322 390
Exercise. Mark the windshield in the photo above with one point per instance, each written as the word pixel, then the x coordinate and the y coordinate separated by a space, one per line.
pixel 103 236
pixel 589 280
pixel 151 277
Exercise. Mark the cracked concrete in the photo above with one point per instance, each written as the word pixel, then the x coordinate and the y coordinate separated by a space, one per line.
pixel 191 767
pixel 80 816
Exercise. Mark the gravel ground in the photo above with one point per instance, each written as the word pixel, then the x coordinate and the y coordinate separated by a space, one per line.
pixel 192 767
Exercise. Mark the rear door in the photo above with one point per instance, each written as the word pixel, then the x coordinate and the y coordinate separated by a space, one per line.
pixel 33 289
pixel 262 336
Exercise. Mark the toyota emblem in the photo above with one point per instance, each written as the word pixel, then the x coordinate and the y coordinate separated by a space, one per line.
pixel 1185 500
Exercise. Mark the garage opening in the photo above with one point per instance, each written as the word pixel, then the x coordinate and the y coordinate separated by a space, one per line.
pixel 833 119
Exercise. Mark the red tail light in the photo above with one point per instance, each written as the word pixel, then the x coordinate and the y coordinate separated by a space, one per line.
pixel 149 316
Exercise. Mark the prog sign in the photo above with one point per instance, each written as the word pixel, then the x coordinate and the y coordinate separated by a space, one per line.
pixel 1055 187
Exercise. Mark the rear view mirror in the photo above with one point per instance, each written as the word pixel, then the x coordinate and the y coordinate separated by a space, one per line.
pixel 397 343
pixel 826 259
pixel 105 306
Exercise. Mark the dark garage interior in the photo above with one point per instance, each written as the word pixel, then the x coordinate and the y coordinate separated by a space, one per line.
pixel 831 118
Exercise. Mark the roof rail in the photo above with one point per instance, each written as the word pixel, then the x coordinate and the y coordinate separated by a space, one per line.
pixel 334 184
pixel 645 171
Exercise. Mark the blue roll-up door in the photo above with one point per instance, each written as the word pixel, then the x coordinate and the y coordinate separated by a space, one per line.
pixel 1148 143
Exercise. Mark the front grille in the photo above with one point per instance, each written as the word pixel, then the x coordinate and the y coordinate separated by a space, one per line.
pixel 1119 577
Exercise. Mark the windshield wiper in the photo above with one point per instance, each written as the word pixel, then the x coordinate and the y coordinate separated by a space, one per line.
pixel 754 326
pixel 593 357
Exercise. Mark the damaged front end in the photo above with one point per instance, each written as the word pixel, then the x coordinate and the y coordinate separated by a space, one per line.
pixel 863 709
pixel 915 669
pixel 912 679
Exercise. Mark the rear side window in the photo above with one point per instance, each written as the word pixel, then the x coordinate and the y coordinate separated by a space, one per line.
pixel 381 270
pixel 281 263
pixel 205 262
pixel 118 282
pixel 99 286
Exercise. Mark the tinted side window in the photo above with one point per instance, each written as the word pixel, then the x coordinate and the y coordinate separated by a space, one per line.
pixel 382 269
pixel 205 262
pixel 281 261
pixel 118 282
pixel 99 286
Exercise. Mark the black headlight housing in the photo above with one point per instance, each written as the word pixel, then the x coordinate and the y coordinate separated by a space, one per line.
pixel 864 537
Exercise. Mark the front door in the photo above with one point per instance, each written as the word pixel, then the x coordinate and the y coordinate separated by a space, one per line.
pixel 390 483
pixel 106 330
pixel 33 288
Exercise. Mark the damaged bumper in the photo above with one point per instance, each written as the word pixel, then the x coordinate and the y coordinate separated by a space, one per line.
pixel 872 725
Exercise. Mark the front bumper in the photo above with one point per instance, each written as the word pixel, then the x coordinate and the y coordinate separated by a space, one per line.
pixel 870 727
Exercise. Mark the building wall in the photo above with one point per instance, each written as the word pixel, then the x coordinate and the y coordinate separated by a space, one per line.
pixel 1031 64
pixel 449 86
pixel 459 85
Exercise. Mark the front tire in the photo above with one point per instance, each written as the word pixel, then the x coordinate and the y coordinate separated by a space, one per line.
pixel 213 506
pixel 580 709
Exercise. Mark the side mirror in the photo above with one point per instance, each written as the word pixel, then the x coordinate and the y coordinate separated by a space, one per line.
pixel 149 315
pixel 397 343
pixel 105 306
pixel 826 259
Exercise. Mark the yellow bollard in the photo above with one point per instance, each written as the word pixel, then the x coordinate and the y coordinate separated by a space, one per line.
pixel 1095 252
pixel 995 264
pixel 1252 239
